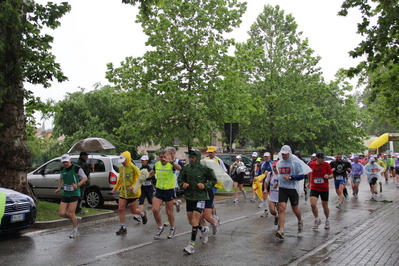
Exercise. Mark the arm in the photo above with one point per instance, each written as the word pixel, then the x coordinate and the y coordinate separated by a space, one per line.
pixel 59 185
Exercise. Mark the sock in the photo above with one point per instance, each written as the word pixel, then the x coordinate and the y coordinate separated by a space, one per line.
pixel 266 204
pixel 194 234
pixel 123 225
pixel 326 219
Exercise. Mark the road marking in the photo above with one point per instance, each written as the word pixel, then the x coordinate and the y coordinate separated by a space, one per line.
pixel 123 250
pixel 152 242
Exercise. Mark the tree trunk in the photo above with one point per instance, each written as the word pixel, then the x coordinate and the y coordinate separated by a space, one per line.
pixel 14 153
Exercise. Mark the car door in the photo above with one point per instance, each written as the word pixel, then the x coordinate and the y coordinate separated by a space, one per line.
pixel 45 179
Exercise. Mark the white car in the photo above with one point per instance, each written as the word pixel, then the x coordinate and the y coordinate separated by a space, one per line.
pixel 44 180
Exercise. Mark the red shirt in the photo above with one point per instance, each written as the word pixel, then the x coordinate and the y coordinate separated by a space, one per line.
pixel 317 180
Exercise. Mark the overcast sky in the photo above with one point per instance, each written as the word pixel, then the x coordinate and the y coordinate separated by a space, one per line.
pixel 97 32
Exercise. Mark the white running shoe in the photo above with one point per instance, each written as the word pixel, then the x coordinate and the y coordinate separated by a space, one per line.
pixel 75 233
pixel 189 249
pixel 205 234
pixel 178 202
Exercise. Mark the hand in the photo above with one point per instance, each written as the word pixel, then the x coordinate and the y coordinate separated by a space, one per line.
pixel 130 188
pixel 57 191
pixel 286 177
pixel 325 176
pixel 185 185
pixel 113 191
pixel 75 186
pixel 200 186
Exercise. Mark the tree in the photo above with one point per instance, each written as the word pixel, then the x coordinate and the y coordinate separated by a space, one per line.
pixel 185 87
pixel 380 69
pixel 96 113
pixel 283 77
pixel 24 57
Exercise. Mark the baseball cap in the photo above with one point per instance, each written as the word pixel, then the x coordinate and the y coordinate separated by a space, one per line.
pixel 372 159
pixel 259 160
pixel 144 158
pixel 320 155
pixel 238 157
pixel 285 149
pixel 191 154
pixel 313 155
pixel 266 154
pixel 122 158
pixel 254 154
pixel 356 156
pixel 65 158
pixel 83 153
pixel 211 149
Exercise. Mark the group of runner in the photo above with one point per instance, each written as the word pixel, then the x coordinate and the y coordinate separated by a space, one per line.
pixel 274 183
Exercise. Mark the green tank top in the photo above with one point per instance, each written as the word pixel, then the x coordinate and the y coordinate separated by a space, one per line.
pixel 70 177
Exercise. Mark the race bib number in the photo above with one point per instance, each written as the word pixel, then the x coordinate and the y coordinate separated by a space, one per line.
pixel 147 183
pixel 319 180
pixel 284 170
pixel 339 177
pixel 201 204
pixel 68 188
pixel 374 170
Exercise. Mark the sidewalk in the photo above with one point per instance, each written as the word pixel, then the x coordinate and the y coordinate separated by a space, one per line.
pixel 373 241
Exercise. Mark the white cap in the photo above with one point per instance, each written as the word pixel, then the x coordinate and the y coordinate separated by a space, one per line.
pixel 238 157
pixel 65 158
pixel 285 149
pixel 144 158
pixel 313 155
pixel 254 154
pixel 372 159
pixel 122 158
pixel 266 154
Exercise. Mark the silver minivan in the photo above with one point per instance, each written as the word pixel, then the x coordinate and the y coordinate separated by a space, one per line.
pixel 44 180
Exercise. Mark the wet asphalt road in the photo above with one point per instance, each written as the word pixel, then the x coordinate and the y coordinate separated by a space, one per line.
pixel 243 238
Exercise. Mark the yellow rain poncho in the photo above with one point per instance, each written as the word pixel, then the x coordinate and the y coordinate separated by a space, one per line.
pixel 257 186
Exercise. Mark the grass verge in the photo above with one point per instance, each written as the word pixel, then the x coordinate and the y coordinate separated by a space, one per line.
pixel 49 211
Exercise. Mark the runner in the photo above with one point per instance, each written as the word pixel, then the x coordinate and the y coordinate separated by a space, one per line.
pixel 373 172
pixel 271 190
pixel 340 169
pixel 319 186
pixel 127 178
pixel 196 179
pixel 357 171
pixel 291 170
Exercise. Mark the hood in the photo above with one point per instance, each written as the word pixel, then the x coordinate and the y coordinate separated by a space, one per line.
pixel 128 158
pixel 197 154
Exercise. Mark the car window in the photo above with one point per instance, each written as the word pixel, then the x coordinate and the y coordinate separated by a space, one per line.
pixel 99 165
pixel 53 167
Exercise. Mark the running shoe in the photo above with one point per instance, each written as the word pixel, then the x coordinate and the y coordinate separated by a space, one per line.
pixel 265 214
pixel 356 196
pixel 75 233
pixel 205 234
pixel 137 218
pixel 300 226
pixel 172 233
pixel 327 226
pixel 280 234
pixel 78 219
pixel 275 220
pixel 339 206
pixel 144 218
pixel 215 228
pixel 178 202
pixel 245 194
pixel 166 223
pixel 159 233
pixel 121 231
pixel 235 200
pixel 260 205
pixel 375 192
pixel 317 222
pixel 189 249
pixel 253 199
pixel 372 199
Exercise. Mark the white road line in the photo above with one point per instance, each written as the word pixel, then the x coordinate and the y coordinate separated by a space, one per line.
pixel 152 242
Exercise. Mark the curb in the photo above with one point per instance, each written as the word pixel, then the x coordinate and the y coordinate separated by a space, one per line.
pixel 66 222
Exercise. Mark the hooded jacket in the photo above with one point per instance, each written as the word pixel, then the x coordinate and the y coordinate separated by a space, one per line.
pixel 127 178
pixel 195 173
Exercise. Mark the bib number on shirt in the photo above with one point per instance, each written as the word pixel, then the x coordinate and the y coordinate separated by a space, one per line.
pixel 339 177
pixel 68 188
pixel 319 180
pixel 201 204
pixel 147 183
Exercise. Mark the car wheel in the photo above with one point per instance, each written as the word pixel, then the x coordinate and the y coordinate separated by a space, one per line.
pixel 94 199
